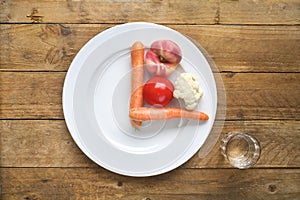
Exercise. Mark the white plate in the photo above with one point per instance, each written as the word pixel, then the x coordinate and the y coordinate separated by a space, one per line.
pixel 96 97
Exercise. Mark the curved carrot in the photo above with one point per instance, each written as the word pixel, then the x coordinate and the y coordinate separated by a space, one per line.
pixel 144 114
pixel 137 78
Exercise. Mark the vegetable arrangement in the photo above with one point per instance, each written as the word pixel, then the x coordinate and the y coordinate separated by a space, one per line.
pixel 162 59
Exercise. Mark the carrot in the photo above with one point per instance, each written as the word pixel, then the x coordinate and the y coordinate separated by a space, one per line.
pixel 137 112
pixel 137 78
pixel 145 113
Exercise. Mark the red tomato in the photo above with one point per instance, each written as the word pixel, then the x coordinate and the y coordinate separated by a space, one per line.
pixel 158 91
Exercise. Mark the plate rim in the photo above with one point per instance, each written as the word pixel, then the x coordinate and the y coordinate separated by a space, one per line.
pixel 69 118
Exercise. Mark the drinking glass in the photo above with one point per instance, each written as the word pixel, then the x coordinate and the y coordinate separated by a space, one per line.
pixel 240 149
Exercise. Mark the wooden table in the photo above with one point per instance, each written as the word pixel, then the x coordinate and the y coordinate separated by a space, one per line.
pixel 255 44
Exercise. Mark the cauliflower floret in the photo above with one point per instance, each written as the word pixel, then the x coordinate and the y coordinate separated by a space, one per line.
pixel 187 88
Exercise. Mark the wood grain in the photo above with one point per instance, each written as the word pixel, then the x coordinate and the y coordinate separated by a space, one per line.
pixel 47 143
pixel 38 95
pixel 262 95
pixel 48 47
pixel 109 11
pixel 255 44
pixel 96 183
pixel 31 95
pixel 52 47
pixel 260 12
pixel 279 141
pixel 39 143
pixel 170 12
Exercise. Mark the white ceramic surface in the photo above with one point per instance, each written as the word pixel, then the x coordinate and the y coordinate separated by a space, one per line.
pixel 96 97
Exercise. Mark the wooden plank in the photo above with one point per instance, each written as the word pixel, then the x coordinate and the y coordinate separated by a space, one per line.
pixel 109 11
pixel 39 143
pixel 95 183
pixel 262 95
pixel 260 12
pixel 172 12
pixel 38 95
pixel 47 143
pixel 279 141
pixel 52 47
pixel 49 47
pixel 249 48
pixel 31 95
